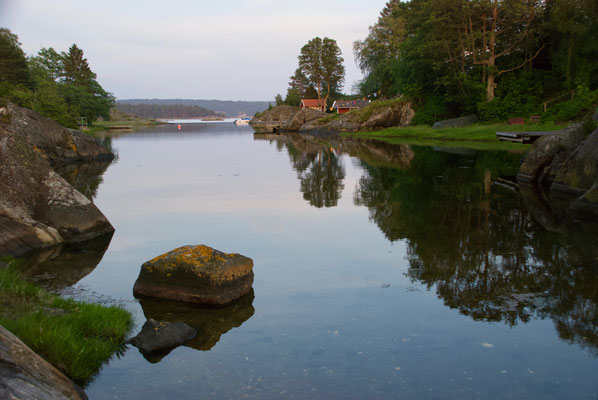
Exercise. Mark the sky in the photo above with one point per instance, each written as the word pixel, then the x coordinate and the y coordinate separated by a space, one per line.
pixel 192 49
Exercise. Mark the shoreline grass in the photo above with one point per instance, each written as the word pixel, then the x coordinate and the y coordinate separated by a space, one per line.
pixel 471 133
pixel 75 337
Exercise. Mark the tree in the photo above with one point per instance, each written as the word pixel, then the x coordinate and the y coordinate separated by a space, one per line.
pixel 278 99
pixel 310 62
pixel 333 70
pixel 75 67
pixel 320 62
pixel 500 29
pixel 13 64
pixel 302 85
pixel 293 97
pixel 47 64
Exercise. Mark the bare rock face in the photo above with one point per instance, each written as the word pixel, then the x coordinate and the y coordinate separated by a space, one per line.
pixel 301 118
pixel 377 115
pixel 196 274
pixel 25 375
pixel 278 113
pixel 547 154
pixel 565 162
pixel 38 208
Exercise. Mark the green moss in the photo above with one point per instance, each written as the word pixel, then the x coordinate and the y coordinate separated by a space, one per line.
pixel 76 337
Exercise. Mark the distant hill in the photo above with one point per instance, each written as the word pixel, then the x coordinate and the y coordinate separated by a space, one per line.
pixel 173 111
pixel 229 108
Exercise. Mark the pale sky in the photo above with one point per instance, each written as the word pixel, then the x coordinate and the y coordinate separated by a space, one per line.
pixel 226 50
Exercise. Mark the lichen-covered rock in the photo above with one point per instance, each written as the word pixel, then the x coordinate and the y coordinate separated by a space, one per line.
pixel 301 118
pixel 38 208
pixel 25 375
pixel 196 274
pixel 162 335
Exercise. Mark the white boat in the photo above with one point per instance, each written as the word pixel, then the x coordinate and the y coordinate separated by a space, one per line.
pixel 242 121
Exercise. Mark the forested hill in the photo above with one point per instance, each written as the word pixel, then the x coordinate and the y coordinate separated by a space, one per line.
pixel 227 107
pixel 174 111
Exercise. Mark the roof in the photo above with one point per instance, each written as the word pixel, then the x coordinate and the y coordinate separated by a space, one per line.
pixel 351 103
pixel 313 103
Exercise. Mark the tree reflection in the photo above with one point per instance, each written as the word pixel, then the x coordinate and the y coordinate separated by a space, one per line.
pixel 481 246
pixel 320 171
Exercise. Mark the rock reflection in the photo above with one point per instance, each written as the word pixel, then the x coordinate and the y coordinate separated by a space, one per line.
pixel 491 253
pixel 61 266
pixel 86 178
pixel 209 322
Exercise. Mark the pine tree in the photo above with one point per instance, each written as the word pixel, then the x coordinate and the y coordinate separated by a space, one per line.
pixel 13 64
pixel 76 68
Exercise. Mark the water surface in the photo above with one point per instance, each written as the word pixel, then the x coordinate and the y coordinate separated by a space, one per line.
pixel 380 271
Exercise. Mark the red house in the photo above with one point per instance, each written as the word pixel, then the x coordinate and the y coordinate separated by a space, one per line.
pixel 314 104
pixel 343 106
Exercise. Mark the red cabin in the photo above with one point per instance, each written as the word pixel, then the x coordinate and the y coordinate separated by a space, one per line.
pixel 314 104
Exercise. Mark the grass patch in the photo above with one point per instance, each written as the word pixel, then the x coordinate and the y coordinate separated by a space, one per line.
pixel 328 118
pixel 99 126
pixel 75 337
pixel 476 132
pixel 497 145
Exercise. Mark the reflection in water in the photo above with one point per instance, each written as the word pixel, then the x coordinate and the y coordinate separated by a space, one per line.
pixel 64 265
pixel 209 322
pixel 320 171
pixel 474 242
pixel 491 253
pixel 86 178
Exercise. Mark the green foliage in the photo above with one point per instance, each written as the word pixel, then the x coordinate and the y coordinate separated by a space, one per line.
pixel 60 86
pixel 320 63
pixel 75 337
pixel 432 51
pixel 13 64
pixel 434 108
pixel 278 100
pixel 293 97
pixel 583 103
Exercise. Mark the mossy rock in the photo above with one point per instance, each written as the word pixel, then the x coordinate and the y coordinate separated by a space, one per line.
pixel 196 274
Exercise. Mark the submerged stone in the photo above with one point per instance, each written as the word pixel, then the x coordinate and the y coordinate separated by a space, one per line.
pixel 196 274
pixel 162 335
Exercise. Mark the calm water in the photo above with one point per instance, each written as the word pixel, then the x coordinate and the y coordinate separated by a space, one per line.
pixel 380 271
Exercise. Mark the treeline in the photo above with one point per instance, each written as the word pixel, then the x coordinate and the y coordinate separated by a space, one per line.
pixel 60 86
pixel 169 111
pixel 493 58
pixel 230 108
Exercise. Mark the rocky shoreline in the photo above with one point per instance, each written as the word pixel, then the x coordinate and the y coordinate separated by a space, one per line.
pixel 375 116
pixel 38 208
pixel 565 164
